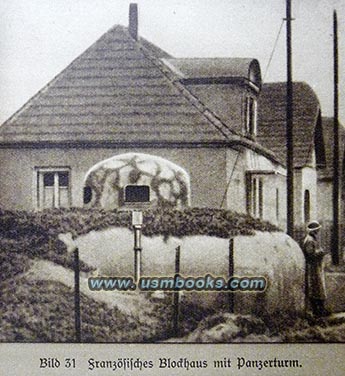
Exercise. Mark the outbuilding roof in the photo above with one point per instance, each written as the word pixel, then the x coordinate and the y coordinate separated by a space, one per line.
pixel 272 120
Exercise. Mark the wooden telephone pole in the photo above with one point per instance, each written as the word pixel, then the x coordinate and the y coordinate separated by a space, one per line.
pixel 289 126
pixel 336 252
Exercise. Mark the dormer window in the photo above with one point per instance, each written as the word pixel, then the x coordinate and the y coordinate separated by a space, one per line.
pixel 250 117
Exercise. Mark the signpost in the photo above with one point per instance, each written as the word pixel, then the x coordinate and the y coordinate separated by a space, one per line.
pixel 137 221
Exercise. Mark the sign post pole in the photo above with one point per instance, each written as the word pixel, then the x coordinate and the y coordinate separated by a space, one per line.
pixel 137 220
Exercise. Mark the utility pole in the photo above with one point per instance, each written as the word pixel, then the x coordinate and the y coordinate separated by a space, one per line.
pixel 336 173
pixel 289 126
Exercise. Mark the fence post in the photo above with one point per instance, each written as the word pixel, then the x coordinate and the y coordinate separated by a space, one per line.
pixel 176 308
pixel 306 289
pixel 77 296
pixel 137 253
pixel 231 296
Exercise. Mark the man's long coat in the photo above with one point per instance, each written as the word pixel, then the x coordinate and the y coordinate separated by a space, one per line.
pixel 314 267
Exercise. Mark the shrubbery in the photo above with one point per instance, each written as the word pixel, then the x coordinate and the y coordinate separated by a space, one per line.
pixel 190 221
pixel 43 310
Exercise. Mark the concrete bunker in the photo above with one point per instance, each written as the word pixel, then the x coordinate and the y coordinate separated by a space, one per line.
pixel 136 178
pixel 274 256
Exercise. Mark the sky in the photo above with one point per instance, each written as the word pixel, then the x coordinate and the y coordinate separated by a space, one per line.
pixel 39 38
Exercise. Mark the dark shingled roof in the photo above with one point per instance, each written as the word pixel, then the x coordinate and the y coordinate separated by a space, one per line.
pixel 116 91
pixel 211 67
pixel 327 130
pixel 215 70
pixel 272 120
pixel 216 83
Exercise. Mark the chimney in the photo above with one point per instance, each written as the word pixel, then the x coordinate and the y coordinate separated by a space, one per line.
pixel 133 21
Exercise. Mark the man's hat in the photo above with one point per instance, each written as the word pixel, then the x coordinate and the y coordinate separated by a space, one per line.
pixel 313 226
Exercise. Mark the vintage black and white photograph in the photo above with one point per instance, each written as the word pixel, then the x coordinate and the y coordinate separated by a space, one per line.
pixel 172 172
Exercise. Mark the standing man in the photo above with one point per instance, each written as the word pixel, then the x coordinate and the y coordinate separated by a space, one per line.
pixel 315 278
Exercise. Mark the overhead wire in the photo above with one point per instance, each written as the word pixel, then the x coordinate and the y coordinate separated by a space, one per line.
pixel 274 48
pixel 266 70
pixel 229 181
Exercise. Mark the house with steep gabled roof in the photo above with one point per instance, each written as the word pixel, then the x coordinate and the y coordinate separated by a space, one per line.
pixel 309 151
pixel 125 120
pixel 313 147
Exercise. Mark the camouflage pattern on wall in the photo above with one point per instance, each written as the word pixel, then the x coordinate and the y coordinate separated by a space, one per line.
pixel 105 183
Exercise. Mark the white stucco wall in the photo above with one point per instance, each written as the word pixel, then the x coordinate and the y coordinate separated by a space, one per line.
pixel 205 166
pixel 305 179
pixel 274 184
pixel 324 200
pixel 236 182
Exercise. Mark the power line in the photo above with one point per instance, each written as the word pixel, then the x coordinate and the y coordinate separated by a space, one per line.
pixel 230 178
pixel 274 48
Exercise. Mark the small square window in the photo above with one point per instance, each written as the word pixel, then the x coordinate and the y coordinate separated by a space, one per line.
pixel 48 179
pixel 137 193
pixel 63 178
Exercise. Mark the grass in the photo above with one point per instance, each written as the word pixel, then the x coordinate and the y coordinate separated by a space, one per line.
pixel 43 311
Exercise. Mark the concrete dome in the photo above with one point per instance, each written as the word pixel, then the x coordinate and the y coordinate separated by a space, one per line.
pixel 108 183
